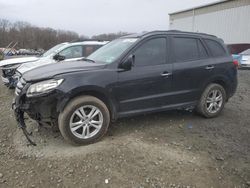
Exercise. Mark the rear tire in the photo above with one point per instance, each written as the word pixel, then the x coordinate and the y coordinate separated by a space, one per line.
pixel 212 101
pixel 84 120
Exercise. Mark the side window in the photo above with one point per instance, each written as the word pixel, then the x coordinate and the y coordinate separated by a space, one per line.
pixel 152 52
pixel 215 48
pixel 72 52
pixel 188 49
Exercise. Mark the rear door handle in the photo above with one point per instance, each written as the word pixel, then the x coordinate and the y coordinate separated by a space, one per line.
pixel 210 67
pixel 165 74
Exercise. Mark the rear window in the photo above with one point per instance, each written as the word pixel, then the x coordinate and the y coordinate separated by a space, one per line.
pixel 89 49
pixel 215 48
pixel 188 49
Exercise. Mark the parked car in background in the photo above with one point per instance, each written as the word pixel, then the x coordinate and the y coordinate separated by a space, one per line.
pixel 13 68
pixel 9 67
pixel 27 52
pixel 245 59
pixel 40 51
pixel 23 52
pixel 238 58
pixel 132 75
pixel 8 51
pixel 238 48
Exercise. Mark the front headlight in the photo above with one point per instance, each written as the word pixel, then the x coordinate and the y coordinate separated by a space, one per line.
pixel 43 87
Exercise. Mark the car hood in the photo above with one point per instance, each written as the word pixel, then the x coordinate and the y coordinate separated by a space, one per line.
pixel 51 70
pixel 34 64
pixel 18 60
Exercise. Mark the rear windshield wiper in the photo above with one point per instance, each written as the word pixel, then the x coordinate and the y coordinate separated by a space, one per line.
pixel 86 59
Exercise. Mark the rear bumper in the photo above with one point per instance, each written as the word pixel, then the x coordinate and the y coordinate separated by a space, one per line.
pixel 245 66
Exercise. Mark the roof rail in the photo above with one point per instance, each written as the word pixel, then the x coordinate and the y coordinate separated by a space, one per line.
pixel 84 40
pixel 178 31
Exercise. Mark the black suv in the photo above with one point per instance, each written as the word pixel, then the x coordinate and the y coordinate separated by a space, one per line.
pixel 132 75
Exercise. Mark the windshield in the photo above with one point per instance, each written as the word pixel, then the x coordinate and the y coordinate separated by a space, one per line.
pixel 246 52
pixel 52 50
pixel 112 51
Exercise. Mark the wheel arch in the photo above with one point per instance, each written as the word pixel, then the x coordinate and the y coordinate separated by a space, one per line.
pixel 221 80
pixel 97 92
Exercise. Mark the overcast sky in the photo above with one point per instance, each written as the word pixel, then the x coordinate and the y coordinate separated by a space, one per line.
pixel 91 17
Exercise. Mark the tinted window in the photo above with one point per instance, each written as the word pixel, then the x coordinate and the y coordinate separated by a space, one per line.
pixel 72 52
pixel 187 49
pixel 215 48
pixel 152 52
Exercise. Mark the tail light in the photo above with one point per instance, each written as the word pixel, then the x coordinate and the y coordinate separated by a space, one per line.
pixel 236 63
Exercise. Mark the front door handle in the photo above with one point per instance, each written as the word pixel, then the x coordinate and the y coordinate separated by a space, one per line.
pixel 209 67
pixel 165 74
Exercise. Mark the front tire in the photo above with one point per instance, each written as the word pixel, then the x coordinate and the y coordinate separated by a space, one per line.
pixel 212 101
pixel 84 120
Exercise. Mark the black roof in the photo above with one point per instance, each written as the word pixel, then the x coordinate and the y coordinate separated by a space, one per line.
pixel 146 34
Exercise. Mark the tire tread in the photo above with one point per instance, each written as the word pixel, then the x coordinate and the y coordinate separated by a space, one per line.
pixel 200 107
pixel 64 117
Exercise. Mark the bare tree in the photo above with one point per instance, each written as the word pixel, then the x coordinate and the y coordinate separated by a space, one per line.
pixel 29 36
pixel 32 37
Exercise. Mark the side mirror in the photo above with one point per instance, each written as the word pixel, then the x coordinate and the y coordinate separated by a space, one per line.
pixel 128 63
pixel 58 57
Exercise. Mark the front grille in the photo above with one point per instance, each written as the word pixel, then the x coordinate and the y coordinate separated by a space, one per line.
pixel 20 85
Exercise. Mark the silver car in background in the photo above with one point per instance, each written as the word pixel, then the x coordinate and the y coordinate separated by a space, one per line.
pixel 9 66
pixel 69 51
pixel 245 59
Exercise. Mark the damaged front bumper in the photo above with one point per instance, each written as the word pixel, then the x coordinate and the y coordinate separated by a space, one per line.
pixel 41 109
pixel 19 115
pixel 10 79
pixel 5 80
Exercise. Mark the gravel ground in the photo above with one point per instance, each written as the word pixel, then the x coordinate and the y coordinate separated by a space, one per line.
pixel 169 149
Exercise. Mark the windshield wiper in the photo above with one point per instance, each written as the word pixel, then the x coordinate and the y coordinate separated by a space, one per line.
pixel 86 59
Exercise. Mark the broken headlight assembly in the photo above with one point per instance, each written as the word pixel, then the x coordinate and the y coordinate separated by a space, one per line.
pixel 43 87
pixel 15 66
pixel 9 70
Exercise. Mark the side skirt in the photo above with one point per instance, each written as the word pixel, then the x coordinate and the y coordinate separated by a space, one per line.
pixel 187 105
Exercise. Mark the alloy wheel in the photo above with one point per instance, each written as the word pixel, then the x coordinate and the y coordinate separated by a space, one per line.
pixel 214 101
pixel 86 121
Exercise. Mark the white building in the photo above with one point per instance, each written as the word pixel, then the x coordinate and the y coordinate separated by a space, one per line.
pixel 229 20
